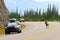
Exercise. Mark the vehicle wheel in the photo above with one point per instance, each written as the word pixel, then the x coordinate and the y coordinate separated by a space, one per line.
pixel 19 31
pixel 7 32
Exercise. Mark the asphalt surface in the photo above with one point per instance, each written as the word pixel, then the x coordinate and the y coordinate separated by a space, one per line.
pixel 36 31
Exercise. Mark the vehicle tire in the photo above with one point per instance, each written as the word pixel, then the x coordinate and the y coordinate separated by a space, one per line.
pixel 19 31
pixel 7 32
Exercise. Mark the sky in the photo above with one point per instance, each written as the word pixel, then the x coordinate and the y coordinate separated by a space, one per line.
pixel 30 4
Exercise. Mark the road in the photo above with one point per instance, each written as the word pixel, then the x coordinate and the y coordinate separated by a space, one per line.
pixel 36 31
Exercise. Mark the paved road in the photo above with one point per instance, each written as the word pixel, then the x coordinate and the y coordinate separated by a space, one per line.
pixel 36 31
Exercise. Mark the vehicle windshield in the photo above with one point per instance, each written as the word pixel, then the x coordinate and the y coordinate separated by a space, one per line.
pixel 12 21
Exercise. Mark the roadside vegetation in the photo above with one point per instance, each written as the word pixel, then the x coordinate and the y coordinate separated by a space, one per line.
pixel 51 14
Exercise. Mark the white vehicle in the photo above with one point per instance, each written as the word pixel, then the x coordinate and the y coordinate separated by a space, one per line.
pixel 12 26
pixel 22 20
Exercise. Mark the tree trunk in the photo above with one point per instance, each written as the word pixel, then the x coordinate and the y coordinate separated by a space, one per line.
pixel 3 14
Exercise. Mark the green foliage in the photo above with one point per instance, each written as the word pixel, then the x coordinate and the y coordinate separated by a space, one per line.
pixel 14 15
pixel 30 15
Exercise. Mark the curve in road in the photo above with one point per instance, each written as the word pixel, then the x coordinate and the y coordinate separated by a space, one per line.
pixel 41 34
